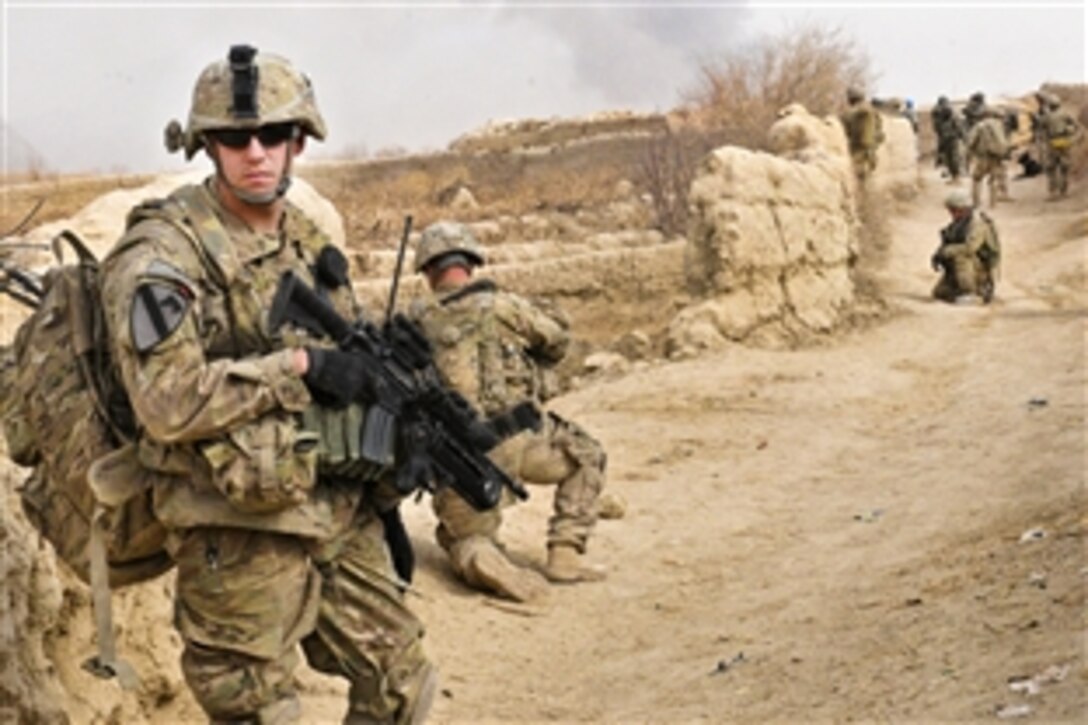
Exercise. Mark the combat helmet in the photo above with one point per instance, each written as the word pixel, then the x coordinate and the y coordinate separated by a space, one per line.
pixel 958 199
pixel 446 243
pixel 977 98
pixel 248 89
pixel 854 94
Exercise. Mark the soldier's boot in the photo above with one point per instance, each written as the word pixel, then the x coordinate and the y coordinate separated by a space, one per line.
pixel 482 565
pixel 565 566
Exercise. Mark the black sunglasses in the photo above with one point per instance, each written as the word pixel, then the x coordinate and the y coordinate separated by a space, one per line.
pixel 271 135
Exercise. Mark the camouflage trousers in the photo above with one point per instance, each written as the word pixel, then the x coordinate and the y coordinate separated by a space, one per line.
pixel 1057 170
pixel 246 599
pixel 990 169
pixel 563 455
pixel 950 155
pixel 962 275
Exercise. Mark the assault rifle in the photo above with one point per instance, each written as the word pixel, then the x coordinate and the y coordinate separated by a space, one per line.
pixel 20 284
pixel 413 419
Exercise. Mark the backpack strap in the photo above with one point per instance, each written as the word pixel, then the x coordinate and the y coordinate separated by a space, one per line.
pixel 106 663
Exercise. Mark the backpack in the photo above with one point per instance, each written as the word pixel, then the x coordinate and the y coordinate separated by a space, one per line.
pixel 990 138
pixel 66 417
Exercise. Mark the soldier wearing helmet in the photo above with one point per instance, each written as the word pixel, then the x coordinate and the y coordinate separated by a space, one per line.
pixel 864 132
pixel 969 254
pixel 1060 131
pixel 949 129
pixel 275 523
pixel 975 110
pixel 988 148
pixel 494 347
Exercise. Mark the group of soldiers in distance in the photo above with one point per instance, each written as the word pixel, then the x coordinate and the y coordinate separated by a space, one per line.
pixel 976 142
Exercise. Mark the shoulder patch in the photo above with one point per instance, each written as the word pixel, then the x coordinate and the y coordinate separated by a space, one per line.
pixel 158 309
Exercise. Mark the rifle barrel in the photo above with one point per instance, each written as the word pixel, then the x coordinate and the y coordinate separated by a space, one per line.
pixel 396 273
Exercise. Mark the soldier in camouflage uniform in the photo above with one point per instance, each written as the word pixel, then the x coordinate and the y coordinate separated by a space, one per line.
pixel 969 254
pixel 274 524
pixel 948 127
pixel 975 110
pixel 1060 130
pixel 988 147
pixel 864 133
pixel 491 345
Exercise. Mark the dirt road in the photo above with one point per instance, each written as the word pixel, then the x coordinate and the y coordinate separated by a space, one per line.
pixel 832 533
pixel 826 534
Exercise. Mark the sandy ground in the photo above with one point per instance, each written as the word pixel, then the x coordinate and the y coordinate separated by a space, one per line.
pixel 826 534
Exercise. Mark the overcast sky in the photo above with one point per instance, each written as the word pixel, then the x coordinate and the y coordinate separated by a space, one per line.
pixel 89 86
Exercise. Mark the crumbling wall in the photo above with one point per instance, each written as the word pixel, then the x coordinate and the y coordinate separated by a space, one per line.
pixel 897 159
pixel 775 237
pixel 30 605
pixel 545 133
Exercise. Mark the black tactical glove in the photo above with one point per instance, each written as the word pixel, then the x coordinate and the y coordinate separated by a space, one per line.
pixel 335 378
pixel 935 263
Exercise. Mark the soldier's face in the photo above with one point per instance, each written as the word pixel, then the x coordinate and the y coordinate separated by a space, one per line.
pixel 257 166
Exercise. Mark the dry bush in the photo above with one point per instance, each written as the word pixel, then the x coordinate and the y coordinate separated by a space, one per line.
pixel 737 98
pixel 741 92
pixel 666 172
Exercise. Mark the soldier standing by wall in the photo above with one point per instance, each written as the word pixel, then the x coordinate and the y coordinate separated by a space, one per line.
pixel 275 528
pixel 948 127
pixel 1060 130
pixel 491 345
pixel 969 254
pixel 864 133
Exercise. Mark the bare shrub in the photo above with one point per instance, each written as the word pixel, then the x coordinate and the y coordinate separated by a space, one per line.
pixel 666 172
pixel 736 99
pixel 741 92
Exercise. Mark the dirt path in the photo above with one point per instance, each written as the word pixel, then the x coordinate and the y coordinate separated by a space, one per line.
pixel 825 534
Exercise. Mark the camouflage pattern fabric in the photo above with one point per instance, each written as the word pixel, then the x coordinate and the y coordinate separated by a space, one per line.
pixel 1060 130
pixel 261 539
pixel 283 95
pixel 968 266
pixel 949 130
pixel 864 133
pixel 491 345
pixel 988 146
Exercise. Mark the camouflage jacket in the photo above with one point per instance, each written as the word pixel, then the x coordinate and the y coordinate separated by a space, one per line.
pixel 947 124
pixel 492 346
pixel 863 126
pixel 988 138
pixel 1059 124
pixel 216 399
pixel 973 237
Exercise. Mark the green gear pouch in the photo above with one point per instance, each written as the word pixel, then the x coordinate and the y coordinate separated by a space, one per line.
pixel 266 466
pixel 340 433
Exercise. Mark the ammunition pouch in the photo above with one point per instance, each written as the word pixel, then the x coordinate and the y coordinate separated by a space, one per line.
pixel 340 435
pixel 266 466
